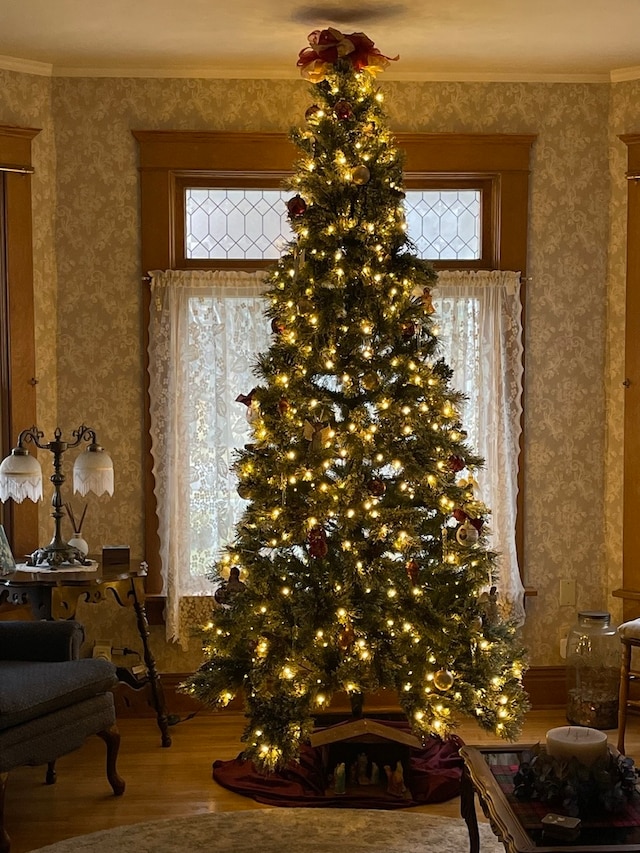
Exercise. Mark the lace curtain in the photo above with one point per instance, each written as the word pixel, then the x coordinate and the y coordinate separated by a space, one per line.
pixel 480 320
pixel 205 330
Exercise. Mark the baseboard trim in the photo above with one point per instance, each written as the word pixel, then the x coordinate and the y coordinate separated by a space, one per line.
pixel 546 686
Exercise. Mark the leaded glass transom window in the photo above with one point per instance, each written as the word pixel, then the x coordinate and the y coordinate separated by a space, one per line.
pixel 252 224
pixel 444 224
pixel 236 224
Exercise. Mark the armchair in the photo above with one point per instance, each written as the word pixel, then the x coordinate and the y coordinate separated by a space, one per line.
pixel 51 701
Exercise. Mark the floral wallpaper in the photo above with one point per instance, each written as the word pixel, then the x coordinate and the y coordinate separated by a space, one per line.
pixel 88 293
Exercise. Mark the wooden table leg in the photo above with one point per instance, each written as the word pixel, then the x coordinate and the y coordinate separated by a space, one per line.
pixel 468 810
pixel 157 693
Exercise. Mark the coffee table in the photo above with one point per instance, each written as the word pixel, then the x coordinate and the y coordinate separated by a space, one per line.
pixel 511 820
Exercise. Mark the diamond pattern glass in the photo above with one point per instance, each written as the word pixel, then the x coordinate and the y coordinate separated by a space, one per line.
pixel 444 224
pixel 252 224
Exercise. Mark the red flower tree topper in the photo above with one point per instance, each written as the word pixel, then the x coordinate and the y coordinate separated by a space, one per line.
pixel 330 45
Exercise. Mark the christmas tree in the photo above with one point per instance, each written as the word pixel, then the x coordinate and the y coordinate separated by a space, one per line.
pixel 361 560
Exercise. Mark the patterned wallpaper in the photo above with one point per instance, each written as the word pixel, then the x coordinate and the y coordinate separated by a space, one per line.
pixel 87 263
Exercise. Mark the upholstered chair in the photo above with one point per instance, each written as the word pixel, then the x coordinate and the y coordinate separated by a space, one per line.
pixel 51 700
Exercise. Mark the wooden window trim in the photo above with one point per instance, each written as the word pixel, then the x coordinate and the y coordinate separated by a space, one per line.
pixel 630 593
pixel 169 158
pixel 17 337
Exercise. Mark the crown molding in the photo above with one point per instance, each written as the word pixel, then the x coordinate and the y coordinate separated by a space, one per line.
pixel 619 75
pixel 46 69
pixel 26 66
pixel 255 73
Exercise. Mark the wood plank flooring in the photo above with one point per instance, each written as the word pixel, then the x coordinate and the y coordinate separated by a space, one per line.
pixel 166 782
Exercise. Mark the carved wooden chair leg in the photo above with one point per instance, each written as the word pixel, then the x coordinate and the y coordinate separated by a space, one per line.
pixel 112 739
pixel 51 776
pixel 624 694
pixel 5 841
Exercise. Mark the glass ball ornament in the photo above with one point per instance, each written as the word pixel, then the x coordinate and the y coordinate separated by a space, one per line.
pixel 346 638
pixel 408 329
pixel 467 534
pixel 360 175
pixel 244 491
pixel 376 487
pixel 413 571
pixel 370 381
pixel 313 112
pixel 343 110
pixel 296 206
pixel 443 679
pixel 253 412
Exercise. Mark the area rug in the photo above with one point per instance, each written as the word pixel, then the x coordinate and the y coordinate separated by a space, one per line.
pixel 275 830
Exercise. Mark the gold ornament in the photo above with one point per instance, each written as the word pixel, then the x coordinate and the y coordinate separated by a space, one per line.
pixel 360 175
pixel 370 381
pixel 443 679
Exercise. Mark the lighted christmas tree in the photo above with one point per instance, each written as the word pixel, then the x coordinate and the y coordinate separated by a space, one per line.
pixel 361 560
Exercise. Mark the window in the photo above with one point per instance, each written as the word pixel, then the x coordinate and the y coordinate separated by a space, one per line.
pixel 240 224
pixel 483 177
pixel 206 328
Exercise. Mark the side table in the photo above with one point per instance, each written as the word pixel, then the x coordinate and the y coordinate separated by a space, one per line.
pixel 124 585
pixel 507 817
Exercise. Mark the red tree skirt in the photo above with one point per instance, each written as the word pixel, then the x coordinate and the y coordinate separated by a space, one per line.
pixel 435 776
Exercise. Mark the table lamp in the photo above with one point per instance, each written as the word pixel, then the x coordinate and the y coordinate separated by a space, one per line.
pixel 21 477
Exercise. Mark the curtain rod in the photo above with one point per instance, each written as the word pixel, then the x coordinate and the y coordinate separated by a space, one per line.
pixel 22 170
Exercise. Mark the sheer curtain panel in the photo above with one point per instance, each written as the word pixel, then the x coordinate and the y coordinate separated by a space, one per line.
pixel 480 316
pixel 205 331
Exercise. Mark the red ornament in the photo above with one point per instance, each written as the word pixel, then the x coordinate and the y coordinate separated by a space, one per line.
pixel 317 539
pixel 408 330
pixel 312 112
pixel 283 406
pixel 413 569
pixel 456 463
pixel 343 110
pixel 376 487
pixel 346 638
pixel 277 326
pixel 296 206
pixel 478 523
pixel 460 515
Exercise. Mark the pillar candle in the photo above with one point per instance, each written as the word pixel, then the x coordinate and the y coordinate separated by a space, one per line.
pixel 587 745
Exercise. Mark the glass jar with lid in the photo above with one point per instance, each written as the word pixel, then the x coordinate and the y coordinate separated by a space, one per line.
pixel 593 671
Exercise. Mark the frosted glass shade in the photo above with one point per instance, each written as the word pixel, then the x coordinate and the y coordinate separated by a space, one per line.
pixel 93 472
pixel 20 477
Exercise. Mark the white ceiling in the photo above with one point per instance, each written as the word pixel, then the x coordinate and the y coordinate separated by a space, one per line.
pixel 449 40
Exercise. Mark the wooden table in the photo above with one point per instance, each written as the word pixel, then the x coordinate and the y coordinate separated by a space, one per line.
pixel 124 585
pixel 478 779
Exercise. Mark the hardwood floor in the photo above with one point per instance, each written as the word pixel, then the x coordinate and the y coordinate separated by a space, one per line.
pixel 174 781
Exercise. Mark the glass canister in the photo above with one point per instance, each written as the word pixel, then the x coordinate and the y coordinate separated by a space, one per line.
pixel 593 671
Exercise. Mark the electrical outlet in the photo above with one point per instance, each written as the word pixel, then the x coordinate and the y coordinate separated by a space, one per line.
pixel 567 593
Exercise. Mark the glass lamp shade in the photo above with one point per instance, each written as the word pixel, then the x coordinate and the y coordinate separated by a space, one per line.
pixel 93 472
pixel 20 476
